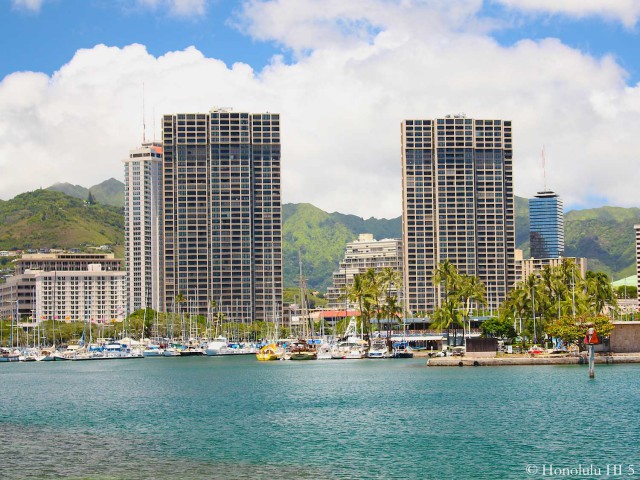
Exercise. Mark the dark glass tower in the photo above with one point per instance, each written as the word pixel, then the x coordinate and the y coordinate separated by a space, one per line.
pixel 546 225
pixel 222 218
pixel 457 182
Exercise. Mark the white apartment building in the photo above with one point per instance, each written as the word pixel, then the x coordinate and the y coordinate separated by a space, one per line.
pixel 65 286
pixel 361 255
pixel 142 176
pixel 92 295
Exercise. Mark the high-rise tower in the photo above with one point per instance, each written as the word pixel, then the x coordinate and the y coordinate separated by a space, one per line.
pixel 142 173
pixel 222 223
pixel 546 225
pixel 457 185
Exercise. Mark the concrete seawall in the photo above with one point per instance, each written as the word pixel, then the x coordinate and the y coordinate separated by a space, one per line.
pixel 470 361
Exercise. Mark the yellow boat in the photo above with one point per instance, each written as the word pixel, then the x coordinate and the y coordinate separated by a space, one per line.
pixel 270 352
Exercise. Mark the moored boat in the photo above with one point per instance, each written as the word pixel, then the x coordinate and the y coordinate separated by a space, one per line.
pixel 402 350
pixel 217 346
pixel 7 355
pixel 379 349
pixel 153 350
pixel 301 350
pixel 270 352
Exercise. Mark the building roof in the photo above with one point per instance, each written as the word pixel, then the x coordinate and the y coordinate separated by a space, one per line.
pixel 334 313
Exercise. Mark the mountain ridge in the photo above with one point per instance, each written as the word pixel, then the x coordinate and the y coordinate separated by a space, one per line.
pixel 317 239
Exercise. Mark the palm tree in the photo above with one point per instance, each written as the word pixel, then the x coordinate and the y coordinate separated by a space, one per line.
pixel 391 281
pixel 470 290
pixel 446 273
pixel 359 292
pixel 599 292
pixel 446 316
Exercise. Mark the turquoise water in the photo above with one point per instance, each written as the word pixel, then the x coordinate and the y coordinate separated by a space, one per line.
pixel 232 417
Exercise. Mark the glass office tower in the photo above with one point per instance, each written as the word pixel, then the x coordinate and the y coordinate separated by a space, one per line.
pixel 546 225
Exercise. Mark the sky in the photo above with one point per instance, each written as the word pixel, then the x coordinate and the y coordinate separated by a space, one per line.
pixel 84 81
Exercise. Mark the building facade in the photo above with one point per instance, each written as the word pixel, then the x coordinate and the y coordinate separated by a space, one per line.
pixel 142 176
pixel 361 255
pixel 222 214
pixel 526 267
pixel 64 286
pixel 546 225
pixel 637 230
pixel 93 295
pixel 458 205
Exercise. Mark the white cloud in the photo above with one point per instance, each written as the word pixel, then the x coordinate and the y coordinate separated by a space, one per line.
pixel 355 79
pixel 32 5
pixel 181 8
pixel 625 11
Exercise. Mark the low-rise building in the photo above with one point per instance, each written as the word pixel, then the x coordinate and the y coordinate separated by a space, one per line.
pixel 64 286
pixel 525 267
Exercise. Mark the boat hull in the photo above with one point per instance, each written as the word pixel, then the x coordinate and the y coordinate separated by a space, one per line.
pixel 303 356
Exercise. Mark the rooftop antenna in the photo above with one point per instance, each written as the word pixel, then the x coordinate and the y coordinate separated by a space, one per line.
pixel 544 170
pixel 154 124
pixel 144 126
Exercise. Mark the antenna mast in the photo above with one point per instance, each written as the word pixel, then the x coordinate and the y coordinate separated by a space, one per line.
pixel 144 126
pixel 544 170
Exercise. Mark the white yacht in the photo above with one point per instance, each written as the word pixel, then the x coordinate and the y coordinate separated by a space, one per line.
pixel 153 350
pixel 379 349
pixel 217 346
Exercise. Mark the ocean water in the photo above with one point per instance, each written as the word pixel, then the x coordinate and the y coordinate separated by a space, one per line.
pixel 233 417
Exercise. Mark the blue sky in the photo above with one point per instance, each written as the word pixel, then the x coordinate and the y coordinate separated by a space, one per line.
pixel 567 73
pixel 46 39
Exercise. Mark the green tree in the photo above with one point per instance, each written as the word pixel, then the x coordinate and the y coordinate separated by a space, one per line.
pixel 446 275
pixel 572 330
pixel 470 290
pixel 360 292
pixel 498 327
pixel 599 292
pixel 626 291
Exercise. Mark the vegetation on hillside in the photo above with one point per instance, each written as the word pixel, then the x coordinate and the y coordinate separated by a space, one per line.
pixel 48 219
pixel 317 239
pixel 109 192
pixel 605 236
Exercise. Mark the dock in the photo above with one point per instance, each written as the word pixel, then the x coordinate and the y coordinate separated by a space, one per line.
pixel 514 360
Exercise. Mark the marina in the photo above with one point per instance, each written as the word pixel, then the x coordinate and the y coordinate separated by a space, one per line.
pixel 354 419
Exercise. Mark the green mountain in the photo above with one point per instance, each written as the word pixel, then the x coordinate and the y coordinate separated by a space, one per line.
pixel 49 219
pixel 314 238
pixel 109 192
pixel 605 236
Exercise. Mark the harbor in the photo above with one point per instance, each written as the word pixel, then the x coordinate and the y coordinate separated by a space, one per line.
pixel 235 417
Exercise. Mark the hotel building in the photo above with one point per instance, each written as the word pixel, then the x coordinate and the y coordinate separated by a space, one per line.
pixel 65 286
pixel 457 192
pixel 222 219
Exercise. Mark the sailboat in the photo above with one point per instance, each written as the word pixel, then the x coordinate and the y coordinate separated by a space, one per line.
pixel 352 346
pixel 304 348
pixel 272 351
